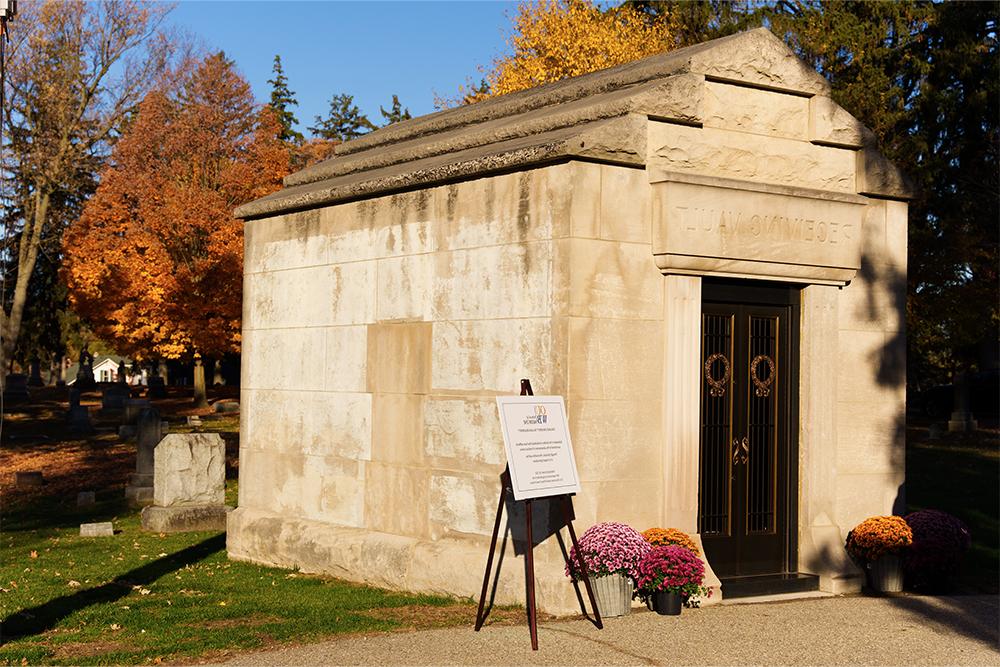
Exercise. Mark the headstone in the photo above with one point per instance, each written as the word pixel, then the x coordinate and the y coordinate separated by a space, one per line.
pixel 227 406
pixel 961 420
pixel 193 420
pixel 121 372
pixel 200 397
pixel 78 416
pixel 155 387
pixel 85 373
pixel 102 529
pixel 133 407
pixel 114 397
pixel 28 478
pixel 189 484
pixel 15 388
pixel 149 432
pixel 35 380
pixel 86 498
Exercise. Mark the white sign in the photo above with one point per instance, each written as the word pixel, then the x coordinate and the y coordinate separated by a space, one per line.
pixel 539 453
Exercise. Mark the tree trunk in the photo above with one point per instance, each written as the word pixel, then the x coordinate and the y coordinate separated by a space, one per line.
pixel 27 254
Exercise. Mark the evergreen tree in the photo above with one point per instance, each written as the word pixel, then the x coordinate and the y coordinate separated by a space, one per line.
pixel 343 122
pixel 282 99
pixel 396 113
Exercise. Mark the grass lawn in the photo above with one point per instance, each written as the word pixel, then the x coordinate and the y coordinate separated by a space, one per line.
pixel 960 474
pixel 141 597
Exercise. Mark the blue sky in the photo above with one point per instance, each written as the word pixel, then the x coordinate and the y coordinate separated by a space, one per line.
pixel 367 49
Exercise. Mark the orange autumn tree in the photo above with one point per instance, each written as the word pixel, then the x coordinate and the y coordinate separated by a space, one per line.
pixel 556 39
pixel 155 261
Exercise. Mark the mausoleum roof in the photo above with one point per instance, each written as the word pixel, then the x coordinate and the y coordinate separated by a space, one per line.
pixel 601 116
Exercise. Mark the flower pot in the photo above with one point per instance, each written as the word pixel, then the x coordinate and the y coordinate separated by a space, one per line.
pixel 885 575
pixel 613 593
pixel 667 603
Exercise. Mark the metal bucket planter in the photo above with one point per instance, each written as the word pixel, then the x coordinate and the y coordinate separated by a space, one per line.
pixel 667 603
pixel 886 574
pixel 613 593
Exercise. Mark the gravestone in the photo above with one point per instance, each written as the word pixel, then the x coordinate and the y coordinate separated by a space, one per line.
pixel 28 479
pixel 86 498
pixel 133 407
pixel 102 529
pixel 35 380
pixel 113 398
pixel 78 416
pixel 15 389
pixel 149 430
pixel 227 406
pixel 155 387
pixel 193 420
pixel 189 484
pixel 121 372
pixel 85 374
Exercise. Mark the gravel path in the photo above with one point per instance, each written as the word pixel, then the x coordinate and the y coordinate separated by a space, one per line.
pixel 827 631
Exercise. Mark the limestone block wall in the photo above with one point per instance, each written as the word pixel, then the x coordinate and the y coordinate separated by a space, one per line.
pixel 871 373
pixel 376 337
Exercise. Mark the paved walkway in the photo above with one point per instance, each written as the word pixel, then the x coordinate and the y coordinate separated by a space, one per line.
pixel 827 631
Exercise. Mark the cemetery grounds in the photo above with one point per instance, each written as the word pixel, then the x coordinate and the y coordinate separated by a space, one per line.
pixel 140 598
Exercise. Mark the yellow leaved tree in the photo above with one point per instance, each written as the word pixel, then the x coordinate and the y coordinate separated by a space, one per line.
pixel 556 39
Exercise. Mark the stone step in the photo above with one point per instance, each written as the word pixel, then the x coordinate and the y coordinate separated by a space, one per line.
pixel 768 584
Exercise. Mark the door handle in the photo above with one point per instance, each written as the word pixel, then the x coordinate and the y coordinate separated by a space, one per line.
pixel 741 450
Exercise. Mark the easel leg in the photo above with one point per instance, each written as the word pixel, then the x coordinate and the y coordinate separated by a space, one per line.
pixel 529 575
pixel 480 617
pixel 583 567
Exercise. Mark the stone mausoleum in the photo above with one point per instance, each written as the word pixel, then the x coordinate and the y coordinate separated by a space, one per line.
pixel 700 251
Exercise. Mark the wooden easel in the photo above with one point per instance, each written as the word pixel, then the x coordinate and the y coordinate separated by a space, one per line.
pixel 566 502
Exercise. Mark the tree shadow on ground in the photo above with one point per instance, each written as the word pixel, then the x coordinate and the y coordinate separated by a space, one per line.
pixel 975 616
pixel 44 617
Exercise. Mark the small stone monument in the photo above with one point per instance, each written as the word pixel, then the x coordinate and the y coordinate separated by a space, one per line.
pixel 133 407
pixel 102 529
pixel 113 398
pixel 139 491
pixel 15 388
pixel 78 416
pixel 35 379
pixel 85 373
pixel 121 372
pixel 86 498
pixel 227 406
pixel 189 484
pixel 28 478
pixel 155 387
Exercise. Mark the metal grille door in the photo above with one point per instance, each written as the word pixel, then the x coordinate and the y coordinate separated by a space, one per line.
pixel 742 508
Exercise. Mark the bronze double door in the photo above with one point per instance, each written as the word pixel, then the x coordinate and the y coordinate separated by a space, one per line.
pixel 745 511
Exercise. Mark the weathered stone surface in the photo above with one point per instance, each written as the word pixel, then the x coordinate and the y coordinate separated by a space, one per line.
pixel 184 519
pixel 102 529
pixel 189 469
pixel 742 156
pixel 443 259
pixel 717 226
pixel 831 124
pixel 756 111
pixel 86 498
